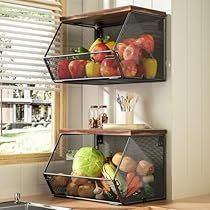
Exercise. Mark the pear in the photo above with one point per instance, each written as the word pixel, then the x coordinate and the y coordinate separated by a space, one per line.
pixel 150 65
pixel 110 44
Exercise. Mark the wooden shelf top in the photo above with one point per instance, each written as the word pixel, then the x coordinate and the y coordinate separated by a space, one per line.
pixel 114 132
pixel 114 16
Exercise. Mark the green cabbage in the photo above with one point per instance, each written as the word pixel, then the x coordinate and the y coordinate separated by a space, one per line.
pixel 88 161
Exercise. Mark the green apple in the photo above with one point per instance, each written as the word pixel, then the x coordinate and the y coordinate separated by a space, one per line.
pixel 150 65
pixel 92 69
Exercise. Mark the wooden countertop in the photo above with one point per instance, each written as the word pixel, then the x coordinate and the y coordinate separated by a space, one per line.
pixel 193 203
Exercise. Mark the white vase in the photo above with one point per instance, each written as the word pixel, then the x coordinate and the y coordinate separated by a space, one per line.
pixel 125 117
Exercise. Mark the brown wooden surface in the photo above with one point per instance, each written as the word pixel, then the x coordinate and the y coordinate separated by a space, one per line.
pixel 108 16
pixel 82 204
pixel 23 158
pixel 193 203
pixel 114 132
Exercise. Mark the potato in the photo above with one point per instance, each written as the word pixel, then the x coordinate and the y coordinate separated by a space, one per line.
pixel 78 181
pixel 105 185
pixel 86 190
pixel 59 180
pixel 72 189
pixel 127 165
pixel 145 168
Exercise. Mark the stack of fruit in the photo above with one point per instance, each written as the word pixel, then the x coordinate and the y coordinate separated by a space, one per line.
pixel 96 65
pixel 135 57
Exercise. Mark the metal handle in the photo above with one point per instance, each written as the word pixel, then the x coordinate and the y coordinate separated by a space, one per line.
pixel 17 197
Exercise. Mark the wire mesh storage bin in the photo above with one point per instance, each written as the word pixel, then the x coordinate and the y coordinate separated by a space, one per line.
pixel 119 45
pixel 112 166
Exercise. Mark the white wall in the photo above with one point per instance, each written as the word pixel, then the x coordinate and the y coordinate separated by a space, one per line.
pixel 27 179
pixel 163 5
pixel 191 98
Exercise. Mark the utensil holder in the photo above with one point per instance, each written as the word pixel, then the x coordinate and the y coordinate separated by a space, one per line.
pixel 125 117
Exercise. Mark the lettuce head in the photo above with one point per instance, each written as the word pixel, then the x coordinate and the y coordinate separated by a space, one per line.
pixel 88 161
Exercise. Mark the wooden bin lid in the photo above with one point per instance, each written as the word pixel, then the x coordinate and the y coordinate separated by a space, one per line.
pixel 114 16
pixel 115 132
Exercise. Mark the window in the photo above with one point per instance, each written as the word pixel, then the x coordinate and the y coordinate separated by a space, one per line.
pixel 26 30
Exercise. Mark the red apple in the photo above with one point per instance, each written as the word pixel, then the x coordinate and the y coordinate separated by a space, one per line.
pixel 132 52
pixel 146 42
pixel 120 47
pixel 128 41
pixel 140 70
pixel 99 57
pixel 62 69
pixel 109 67
pixel 129 68
pixel 77 68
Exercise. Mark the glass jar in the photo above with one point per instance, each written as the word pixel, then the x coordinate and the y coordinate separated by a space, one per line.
pixel 102 115
pixel 93 116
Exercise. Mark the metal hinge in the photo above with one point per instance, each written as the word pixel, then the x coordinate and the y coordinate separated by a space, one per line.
pixel 99 139
pixel 161 141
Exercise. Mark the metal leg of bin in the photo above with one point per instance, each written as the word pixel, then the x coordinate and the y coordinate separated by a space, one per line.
pixel 47 177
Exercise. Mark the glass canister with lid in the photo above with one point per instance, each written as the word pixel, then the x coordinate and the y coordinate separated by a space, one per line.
pixel 97 116
pixel 93 116
pixel 102 115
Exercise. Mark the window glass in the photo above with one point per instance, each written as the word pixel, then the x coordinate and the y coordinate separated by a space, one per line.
pixel 25 84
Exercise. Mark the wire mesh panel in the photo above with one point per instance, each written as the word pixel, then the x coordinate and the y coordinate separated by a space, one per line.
pixel 142 41
pixel 116 169
pixel 140 161
pixel 134 38
pixel 75 169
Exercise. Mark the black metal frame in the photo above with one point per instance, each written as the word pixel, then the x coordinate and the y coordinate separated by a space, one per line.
pixel 108 80
pixel 98 139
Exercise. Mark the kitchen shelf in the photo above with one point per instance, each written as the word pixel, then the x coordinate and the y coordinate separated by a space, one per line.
pixel 137 153
pixel 113 132
pixel 145 149
pixel 123 24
